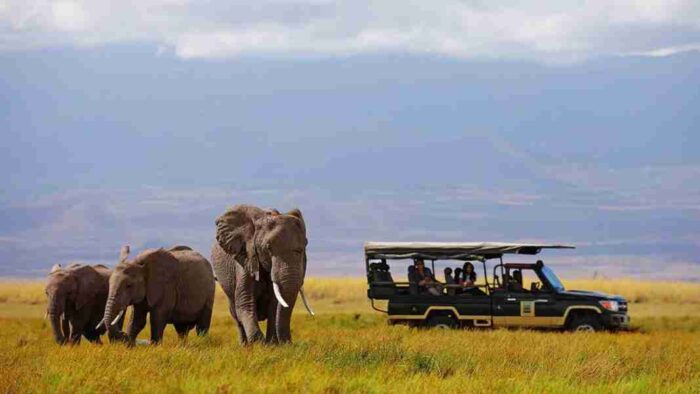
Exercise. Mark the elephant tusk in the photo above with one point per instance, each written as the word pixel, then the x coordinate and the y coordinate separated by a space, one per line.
pixel 46 315
pixel 118 317
pixel 306 303
pixel 278 295
pixel 99 324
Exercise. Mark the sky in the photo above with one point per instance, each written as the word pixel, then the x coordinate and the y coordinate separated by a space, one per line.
pixel 560 122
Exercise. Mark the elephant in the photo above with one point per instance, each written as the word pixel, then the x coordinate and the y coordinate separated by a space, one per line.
pixel 170 286
pixel 76 300
pixel 260 262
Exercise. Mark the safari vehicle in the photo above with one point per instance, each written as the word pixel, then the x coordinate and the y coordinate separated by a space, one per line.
pixel 504 301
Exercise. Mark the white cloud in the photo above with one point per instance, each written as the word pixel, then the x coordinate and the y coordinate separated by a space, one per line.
pixel 667 51
pixel 68 16
pixel 548 31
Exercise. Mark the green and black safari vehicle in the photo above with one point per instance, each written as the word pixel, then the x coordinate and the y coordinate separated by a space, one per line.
pixel 517 294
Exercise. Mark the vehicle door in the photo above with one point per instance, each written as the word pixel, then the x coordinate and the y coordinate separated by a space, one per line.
pixel 499 307
pixel 528 304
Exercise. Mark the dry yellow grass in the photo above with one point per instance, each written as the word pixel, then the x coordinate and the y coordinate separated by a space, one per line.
pixel 642 291
pixel 350 348
pixel 353 291
pixel 22 292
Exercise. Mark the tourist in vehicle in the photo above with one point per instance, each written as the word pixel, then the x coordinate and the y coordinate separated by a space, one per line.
pixel 448 276
pixel 516 281
pixel 424 278
pixel 468 275
pixel 450 281
pixel 458 276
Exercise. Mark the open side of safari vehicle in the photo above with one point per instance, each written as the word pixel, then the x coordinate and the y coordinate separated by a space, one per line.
pixel 507 300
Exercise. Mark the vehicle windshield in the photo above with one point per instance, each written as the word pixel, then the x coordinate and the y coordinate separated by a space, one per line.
pixel 552 279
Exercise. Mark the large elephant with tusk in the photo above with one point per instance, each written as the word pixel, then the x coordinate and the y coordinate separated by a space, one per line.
pixel 260 262
pixel 169 286
pixel 76 301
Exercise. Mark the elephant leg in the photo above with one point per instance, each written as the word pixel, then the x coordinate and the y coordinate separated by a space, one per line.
pixel 90 330
pixel 158 322
pixel 93 337
pixel 204 321
pixel 75 335
pixel 78 321
pixel 229 286
pixel 229 290
pixel 242 338
pixel 137 322
pixel 182 330
pixel 245 305
pixel 271 334
pixel 115 333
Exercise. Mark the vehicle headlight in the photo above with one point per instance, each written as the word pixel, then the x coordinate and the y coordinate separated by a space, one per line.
pixel 612 306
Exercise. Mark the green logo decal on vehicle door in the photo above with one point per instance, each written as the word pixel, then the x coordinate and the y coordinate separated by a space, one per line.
pixel 527 308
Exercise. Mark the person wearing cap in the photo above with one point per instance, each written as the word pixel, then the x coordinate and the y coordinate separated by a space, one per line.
pixel 424 278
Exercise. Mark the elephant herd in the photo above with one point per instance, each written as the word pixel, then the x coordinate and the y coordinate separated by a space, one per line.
pixel 259 259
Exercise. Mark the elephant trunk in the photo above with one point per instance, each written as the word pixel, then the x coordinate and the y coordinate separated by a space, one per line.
pixel 109 312
pixel 55 310
pixel 287 287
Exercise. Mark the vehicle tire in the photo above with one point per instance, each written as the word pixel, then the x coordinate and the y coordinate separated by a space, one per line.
pixel 441 321
pixel 585 323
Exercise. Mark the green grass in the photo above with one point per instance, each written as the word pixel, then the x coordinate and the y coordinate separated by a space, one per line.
pixel 348 347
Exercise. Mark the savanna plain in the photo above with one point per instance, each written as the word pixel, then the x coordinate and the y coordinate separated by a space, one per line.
pixel 348 347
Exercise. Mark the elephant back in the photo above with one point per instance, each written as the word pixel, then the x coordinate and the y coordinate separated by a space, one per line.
pixel 195 284
pixel 179 248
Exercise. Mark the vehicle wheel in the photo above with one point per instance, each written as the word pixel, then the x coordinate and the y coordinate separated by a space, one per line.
pixel 585 323
pixel 441 321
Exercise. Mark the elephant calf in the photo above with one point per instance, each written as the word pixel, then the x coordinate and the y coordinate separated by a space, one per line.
pixel 171 286
pixel 76 301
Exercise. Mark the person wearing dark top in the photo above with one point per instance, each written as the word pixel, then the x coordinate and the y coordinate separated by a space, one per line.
pixel 516 282
pixel 468 275
pixel 458 276
pixel 449 281
pixel 424 278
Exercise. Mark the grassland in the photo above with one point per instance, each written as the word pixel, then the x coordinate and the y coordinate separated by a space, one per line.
pixel 348 347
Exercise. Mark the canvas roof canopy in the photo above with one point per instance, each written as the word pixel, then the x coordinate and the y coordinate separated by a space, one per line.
pixel 452 250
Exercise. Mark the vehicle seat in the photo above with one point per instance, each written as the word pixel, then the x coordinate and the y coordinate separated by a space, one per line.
pixel 381 284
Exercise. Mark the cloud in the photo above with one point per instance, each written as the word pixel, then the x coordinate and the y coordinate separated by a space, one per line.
pixel 668 51
pixel 547 31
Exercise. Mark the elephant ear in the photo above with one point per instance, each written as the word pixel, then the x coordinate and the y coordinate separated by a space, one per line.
pixel 89 283
pixel 297 214
pixel 124 253
pixel 160 273
pixel 235 232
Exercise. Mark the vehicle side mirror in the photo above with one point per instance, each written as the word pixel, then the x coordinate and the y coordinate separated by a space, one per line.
pixel 533 287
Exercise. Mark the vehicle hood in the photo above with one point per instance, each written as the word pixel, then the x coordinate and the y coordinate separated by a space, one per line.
pixel 593 294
